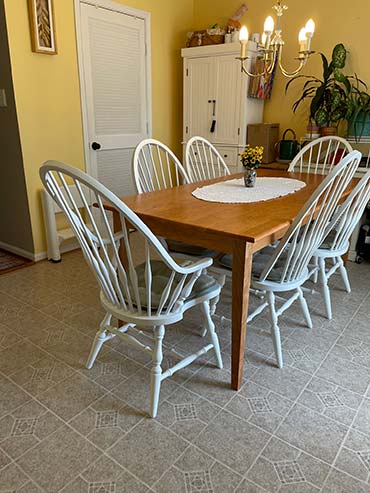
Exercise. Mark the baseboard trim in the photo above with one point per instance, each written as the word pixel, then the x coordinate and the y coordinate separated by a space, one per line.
pixel 17 251
pixel 63 249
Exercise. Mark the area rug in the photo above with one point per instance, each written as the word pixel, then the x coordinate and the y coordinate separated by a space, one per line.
pixel 10 261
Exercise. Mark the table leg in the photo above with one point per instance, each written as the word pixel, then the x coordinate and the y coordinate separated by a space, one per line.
pixel 242 267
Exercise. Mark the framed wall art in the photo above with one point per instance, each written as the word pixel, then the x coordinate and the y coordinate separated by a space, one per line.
pixel 41 13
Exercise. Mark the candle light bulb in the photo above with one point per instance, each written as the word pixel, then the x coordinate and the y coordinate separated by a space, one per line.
pixel 310 28
pixel 302 36
pixel 268 26
pixel 243 35
pixel 263 39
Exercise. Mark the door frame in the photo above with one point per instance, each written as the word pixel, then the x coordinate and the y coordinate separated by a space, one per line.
pixel 122 9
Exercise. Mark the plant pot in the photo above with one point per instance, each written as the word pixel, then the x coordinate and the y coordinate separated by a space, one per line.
pixel 360 127
pixel 324 131
pixel 250 176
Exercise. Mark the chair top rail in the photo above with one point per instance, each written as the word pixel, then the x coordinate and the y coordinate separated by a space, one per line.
pixel 203 161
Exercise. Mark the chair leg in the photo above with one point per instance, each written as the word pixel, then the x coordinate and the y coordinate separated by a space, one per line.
pixel 305 309
pixel 211 328
pixel 275 331
pixel 325 288
pixel 156 371
pixel 98 341
pixel 316 265
pixel 213 303
pixel 344 274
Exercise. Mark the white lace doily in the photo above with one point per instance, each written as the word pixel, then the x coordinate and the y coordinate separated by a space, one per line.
pixel 235 192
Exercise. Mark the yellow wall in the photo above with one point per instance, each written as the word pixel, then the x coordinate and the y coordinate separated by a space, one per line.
pixel 338 21
pixel 47 87
pixel 48 96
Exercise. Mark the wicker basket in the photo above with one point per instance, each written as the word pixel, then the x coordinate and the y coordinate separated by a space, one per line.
pixel 205 37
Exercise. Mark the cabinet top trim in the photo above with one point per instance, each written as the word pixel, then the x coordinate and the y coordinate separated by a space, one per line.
pixel 221 49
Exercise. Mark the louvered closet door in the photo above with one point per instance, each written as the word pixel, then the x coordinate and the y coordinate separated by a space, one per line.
pixel 114 66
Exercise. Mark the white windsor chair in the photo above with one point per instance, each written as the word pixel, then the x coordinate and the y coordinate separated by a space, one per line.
pixel 337 241
pixel 320 155
pixel 156 167
pixel 203 161
pixel 152 295
pixel 284 268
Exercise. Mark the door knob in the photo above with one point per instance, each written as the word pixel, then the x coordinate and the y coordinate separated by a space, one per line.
pixel 95 146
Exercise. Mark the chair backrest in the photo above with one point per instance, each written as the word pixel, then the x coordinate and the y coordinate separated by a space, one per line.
pixel 121 285
pixel 310 227
pixel 349 213
pixel 203 161
pixel 156 167
pixel 320 155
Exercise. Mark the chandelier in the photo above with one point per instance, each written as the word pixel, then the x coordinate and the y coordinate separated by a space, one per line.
pixel 270 49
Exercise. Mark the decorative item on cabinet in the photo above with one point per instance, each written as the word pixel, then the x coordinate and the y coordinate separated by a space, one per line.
pixel 265 135
pixel 205 37
pixel 41 15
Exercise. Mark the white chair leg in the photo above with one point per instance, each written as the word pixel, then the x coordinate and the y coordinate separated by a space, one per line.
pixel 325 288
pixel 316 273
pixel 344 274
pixel 275 331
pixel 98 341
pixel 213 303
pixel 211 328
pixel 305 309
pixel 156 371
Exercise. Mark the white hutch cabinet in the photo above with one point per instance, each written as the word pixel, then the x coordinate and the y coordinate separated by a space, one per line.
pixel 216 102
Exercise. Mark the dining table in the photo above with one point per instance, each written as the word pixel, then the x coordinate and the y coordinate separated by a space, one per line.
pixel 240 229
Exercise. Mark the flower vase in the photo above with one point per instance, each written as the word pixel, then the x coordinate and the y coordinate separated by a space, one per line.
pixel 250 176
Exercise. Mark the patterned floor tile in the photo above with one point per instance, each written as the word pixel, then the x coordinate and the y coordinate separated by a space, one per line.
pixel 39 376
pixel 26 427
pixel 317 434
pixel 339 482
pixel 196 472
pixel 330 400
pixel 69 397
pixel 186 413
pixel 281 466
pixel 12 478
pixel 150 444
pixel 232 441
pixel 345 374
pixel 58 459
pixel 105 476
pixel 106 421
pixel 288 382
pixel 15 396
pixel 259 406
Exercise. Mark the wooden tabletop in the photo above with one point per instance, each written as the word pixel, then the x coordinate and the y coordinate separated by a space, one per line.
pixel 258 223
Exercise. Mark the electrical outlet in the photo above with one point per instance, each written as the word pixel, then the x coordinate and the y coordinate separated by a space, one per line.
pixel 3 99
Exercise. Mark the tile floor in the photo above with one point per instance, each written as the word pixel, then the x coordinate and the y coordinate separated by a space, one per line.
pixel 305 428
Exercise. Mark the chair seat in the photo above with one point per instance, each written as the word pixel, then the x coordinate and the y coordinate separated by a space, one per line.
pixel 188 249
pixel 204 285
pixel 260 260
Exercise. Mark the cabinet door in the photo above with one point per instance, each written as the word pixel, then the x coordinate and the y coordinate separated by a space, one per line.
pixel 228 100
pixel 200 78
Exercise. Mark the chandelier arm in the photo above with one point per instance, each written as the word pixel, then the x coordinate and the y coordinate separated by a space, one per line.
pixel 267 69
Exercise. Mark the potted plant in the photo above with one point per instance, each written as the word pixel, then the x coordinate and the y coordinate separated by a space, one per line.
pixel 251 159
pixel 328 95
pixel 358 110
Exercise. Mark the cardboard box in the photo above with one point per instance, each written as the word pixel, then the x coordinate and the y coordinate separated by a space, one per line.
pixel 266 135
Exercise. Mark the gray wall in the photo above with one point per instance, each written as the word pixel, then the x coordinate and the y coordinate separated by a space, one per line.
pixel 15 222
